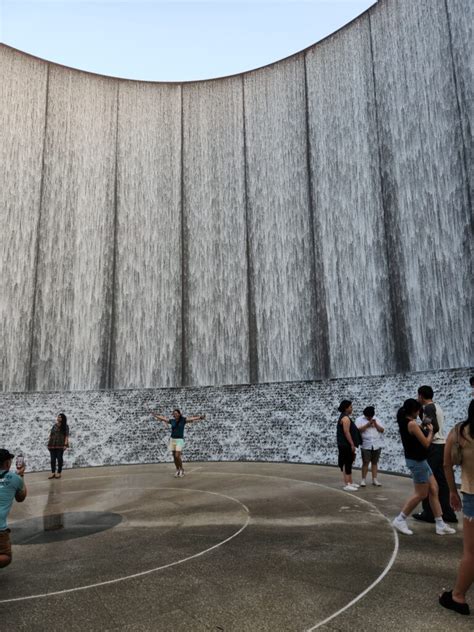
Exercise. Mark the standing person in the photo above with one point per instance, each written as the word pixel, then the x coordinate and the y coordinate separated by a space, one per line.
pixel 433 413
pixel 415 446
pixel 371 430
pixel 58 442
pixel 12 487
pixel 348 440
pixel 463 433
pixel 176 444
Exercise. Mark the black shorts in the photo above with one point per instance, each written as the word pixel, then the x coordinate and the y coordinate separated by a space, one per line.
pixel 346 459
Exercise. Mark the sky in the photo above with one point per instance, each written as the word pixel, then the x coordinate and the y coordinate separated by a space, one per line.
pixel 170 40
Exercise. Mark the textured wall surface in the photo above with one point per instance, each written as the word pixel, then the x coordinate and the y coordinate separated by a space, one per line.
pixel 291 421
pixel 309 219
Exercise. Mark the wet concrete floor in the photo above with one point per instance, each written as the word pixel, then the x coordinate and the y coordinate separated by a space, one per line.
pixel 231 546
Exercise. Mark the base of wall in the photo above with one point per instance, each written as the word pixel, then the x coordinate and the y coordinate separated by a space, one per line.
pixel 281 422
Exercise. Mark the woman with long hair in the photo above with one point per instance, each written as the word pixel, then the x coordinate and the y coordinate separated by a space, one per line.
pixel 348 440
pixel 58 442
pixel 455 599
pixel 415 446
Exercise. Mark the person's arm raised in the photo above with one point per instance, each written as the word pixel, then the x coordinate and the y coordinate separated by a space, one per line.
pixel 195 418
pixel 159 417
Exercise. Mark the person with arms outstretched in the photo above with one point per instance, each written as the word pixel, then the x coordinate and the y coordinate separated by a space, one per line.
pixel 177 423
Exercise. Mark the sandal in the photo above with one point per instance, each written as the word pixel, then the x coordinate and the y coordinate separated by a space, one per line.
pixel 446 600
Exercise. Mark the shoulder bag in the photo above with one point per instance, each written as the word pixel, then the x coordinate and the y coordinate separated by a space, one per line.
pixel 456 447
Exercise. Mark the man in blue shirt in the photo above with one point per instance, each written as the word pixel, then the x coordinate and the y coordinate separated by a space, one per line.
pixel 176 444
pixel 12 487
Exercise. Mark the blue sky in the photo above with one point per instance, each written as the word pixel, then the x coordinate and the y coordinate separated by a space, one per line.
pixel 178 40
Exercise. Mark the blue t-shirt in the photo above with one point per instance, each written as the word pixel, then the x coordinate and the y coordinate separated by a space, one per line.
pixel 10 484
pixel 177 428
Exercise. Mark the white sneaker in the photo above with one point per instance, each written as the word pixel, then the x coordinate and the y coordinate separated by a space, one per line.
pixel 376 483
pixel 362 483
pixel 355 485
pixel 401 525
pixel 444 530
pixel 181 473
pixel 349 488
pixel 177 474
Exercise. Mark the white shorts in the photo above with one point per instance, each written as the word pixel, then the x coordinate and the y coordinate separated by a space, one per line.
pixel 176 445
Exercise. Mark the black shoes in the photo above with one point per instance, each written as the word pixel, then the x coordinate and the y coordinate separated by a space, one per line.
pixel 452 519
pixel 422 517
pixel 446 600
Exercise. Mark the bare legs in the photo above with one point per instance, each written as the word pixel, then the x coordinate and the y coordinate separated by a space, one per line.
pixel 5 560
pixel 365 470
pixel 465 577
pixel 422 490
pixel 177 460
pixel 347 478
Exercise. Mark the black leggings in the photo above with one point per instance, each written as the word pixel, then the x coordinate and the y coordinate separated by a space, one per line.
pixel 346 459
pixel 56 455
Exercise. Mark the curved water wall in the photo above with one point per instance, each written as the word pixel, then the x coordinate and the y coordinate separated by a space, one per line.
pixel 308 219
pixel 289 422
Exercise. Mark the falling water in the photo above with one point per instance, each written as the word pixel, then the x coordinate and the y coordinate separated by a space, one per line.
pixel 424 179
pixel 279 225
pixel 307 219
pixel 348 206
pixel 76 233
pixel 216 315
pixel 22 118
pixel 147 294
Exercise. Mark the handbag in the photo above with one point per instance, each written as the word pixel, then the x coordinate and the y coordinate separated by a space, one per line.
pixel 456 447
pixel 355 434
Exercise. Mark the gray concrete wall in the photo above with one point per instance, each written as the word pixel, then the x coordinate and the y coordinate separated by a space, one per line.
pixel 283 422
pixel 309 219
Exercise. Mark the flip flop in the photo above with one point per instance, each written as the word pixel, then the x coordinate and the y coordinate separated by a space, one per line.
pixel 446 600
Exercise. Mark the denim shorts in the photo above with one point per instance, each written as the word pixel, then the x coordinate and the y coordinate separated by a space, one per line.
pixel 468 505
pixel 420 470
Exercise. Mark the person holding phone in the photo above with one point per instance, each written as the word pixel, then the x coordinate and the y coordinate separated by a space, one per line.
pixel 177 423
pixel 371 430
pixel 12 487
pixel 416 442
pixel 432 412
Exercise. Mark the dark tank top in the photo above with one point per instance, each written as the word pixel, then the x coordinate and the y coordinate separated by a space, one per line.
pixel 341 437
pixel 411 446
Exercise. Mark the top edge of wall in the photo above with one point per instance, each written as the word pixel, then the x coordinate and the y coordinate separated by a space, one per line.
pixel 240 385
pixel 311 47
